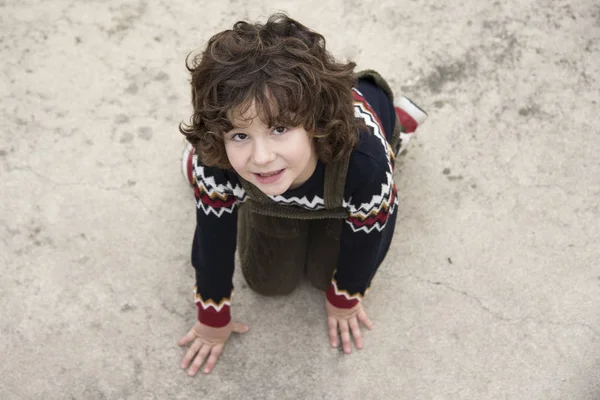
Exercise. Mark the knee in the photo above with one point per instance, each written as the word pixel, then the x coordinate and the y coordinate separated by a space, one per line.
pixel 273 289
pixel 272 282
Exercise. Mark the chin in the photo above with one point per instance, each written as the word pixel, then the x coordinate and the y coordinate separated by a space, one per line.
pixel 275 188
pixel 272 190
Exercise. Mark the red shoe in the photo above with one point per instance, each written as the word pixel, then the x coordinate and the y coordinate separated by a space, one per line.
pixel 410 116
pixel 187 165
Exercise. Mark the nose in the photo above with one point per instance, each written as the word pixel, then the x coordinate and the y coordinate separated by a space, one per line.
pixel 262 152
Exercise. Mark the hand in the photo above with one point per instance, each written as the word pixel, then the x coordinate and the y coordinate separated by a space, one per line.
pixel 206 341
pixel 346 320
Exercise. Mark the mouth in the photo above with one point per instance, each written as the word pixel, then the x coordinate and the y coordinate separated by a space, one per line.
pixel 269 177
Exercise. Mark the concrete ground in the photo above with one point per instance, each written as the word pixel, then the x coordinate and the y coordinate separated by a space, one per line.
pixel 490 291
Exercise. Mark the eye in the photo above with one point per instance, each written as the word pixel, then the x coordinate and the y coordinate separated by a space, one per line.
pixel 239 137
pixel 280 130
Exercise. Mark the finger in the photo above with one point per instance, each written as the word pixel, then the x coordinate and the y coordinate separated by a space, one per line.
pixel 333 331
pixel 356 333
pixel 345 334
pixel 213 358
pixel 187 338
pixel 362 317
pixel 189 355
pixel 197 363
pixel 236 327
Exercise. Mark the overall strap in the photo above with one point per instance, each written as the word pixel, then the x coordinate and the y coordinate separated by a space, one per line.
pixel 335 182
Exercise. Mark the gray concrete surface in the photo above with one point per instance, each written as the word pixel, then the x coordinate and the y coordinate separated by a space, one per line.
pixel 491 289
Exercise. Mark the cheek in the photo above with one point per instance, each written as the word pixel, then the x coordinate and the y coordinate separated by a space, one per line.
pixel 303 150
pixel 235 158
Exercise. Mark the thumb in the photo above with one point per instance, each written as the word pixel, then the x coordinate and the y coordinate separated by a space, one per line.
pixel 237 327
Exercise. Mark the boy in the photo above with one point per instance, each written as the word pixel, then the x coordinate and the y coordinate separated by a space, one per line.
pixel 291 158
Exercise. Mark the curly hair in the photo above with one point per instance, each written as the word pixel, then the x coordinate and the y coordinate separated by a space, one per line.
pixel 285 71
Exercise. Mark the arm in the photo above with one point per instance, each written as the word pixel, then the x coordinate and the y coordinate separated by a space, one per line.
pixel 365 239
pixel 213 253
pixel 213 249
pixel 371 203
pixel 371 194
pixel 217 197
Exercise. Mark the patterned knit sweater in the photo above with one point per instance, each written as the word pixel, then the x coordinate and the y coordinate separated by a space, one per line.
pixel 370 199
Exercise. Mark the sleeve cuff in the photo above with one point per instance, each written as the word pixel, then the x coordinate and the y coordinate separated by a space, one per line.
pixel 340 298
pixel 211 313
pixel 211 316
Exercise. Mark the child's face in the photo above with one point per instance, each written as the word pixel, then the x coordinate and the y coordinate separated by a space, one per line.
pixel 274 159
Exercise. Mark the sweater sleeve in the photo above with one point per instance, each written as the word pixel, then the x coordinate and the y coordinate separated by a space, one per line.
pixel 371 200
pixel 366 237
pixel 218 194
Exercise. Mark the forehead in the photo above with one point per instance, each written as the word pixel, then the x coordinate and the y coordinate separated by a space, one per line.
pixel 242 114
pixel 253 111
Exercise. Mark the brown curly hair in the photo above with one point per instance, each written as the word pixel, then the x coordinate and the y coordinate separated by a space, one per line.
pixel 284 69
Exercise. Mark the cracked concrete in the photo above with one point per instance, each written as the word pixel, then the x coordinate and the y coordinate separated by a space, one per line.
pixel 491 289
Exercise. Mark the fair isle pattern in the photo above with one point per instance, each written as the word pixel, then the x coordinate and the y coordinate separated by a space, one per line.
pixel 363 110
pixel 340 292
pixel 375 213
pixel 216 195
pixel 213 197
pixel 210 302
pixel 317 203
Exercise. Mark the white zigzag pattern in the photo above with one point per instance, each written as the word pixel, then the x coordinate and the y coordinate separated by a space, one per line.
pixel 377 225
pixel 218 212
pixel 208 184
pixel 210 304
pixel 385 201
pixel 344 293
pixel 364 113
pixel 377 201
pixel 317 203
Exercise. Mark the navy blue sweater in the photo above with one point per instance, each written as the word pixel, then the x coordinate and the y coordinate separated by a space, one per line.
pixel 370 198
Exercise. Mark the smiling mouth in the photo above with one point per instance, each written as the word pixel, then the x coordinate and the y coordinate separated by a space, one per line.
pixel 268 174
pixel 269 177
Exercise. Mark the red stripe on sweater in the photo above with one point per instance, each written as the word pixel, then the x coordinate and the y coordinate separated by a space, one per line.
pixel 339 301
pixel 382 216
pixel 216 202
pixel 365 103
